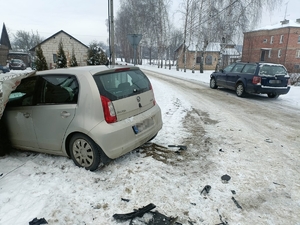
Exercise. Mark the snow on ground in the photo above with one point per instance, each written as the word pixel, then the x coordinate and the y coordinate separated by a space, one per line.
pixel 52 187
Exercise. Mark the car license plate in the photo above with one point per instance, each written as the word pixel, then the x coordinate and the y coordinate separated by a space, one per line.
pixel 139 127
pixel 274 81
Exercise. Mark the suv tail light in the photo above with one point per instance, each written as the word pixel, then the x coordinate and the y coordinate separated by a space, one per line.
pixel 256 80
pixel 108 110
pixel 289 82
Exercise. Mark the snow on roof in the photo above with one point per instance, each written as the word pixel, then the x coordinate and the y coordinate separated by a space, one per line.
pixel 283 24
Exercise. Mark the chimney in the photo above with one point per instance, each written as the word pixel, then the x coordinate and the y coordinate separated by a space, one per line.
pixel 284 22
pixel 297 20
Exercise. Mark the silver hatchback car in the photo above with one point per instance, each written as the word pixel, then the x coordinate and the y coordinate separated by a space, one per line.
pixel 92 114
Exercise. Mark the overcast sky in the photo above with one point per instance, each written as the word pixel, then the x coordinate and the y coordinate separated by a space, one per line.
pixel 86 20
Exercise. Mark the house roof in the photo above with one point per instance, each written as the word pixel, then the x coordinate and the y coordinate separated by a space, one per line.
pixel 4 40
pixel 33 49
pixel 282 24
pixel 213 47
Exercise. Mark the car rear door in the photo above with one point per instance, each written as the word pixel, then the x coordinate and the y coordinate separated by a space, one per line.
pixel 274 76
pixel 55 109
pixel 233 75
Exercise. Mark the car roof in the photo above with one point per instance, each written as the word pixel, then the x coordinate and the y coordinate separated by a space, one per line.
pixel 80 70
pixel 260 63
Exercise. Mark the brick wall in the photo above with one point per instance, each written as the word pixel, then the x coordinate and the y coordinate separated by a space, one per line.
pixel 278 46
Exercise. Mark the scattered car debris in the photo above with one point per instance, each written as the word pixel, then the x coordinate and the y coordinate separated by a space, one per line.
pixel 221 150
pixel 125 199
pixel 1 174
pixel 206 189
pixel 236 203
pixel 37 221
pixel 181 147
pixel 137 213
pixel 225 178
pixel 233 192
pixel 156 219
pixel 222 222
pixel 268 140
pixel 193 203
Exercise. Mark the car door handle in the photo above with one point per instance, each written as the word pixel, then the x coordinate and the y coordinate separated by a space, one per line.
pixel 26 115
pixel 65 114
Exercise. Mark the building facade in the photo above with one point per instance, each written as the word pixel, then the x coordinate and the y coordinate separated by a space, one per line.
pixel 279 43
pixel 210 56
pixel 50 49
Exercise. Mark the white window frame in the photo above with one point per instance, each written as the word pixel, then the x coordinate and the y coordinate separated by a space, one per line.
pixel 281 39
pixel 269 54
pixel 265 41
pixel 272 40
pixel 298 53
pixel 279 53
pixel 299 39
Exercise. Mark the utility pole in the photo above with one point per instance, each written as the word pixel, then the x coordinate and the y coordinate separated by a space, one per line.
pixel 112 33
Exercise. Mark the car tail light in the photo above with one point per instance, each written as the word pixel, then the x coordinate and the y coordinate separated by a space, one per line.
pixel 256 80
pixel 108 110
pixel 289 82
pixel 154 101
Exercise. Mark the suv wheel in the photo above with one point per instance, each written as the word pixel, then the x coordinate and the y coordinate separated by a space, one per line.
pixel 273 95
pixel 240 90
pixel 213 83
pixel 85 152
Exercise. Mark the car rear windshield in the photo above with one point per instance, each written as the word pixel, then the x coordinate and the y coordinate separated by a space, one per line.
pixel 122 84
pixel 272 70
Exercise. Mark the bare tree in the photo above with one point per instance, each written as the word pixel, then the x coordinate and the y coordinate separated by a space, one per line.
pixel 24 40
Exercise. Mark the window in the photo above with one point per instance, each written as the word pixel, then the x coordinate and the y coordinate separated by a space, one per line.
pixel 24 95
pixel 198 59
pixel 54 58
pixel 299 39
pixel 228 68
pixel 281 39
pixel 272 40
pixel 238 68
pixel 298 54
pixel 265 41
pixel 208 60
pixel 279 53
pixel 269 54
pixel 59 90
pixel 249 68
pixel 122 84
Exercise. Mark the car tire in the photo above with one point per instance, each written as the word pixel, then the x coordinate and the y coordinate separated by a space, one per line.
pixel 240 90
pixel 85 152
pixel 213 83
pixel 273 95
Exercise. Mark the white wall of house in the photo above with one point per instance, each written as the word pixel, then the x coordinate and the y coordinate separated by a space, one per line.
pixel 50 47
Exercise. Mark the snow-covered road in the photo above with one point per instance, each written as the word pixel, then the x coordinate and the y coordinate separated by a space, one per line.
pixel 254 140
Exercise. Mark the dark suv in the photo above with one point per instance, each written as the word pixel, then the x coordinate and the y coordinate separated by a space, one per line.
pixel 259 78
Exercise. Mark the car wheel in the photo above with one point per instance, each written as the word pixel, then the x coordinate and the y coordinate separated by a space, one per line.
pixel 273 95
pixel 213 83
pixel 240 90
pixel 85 152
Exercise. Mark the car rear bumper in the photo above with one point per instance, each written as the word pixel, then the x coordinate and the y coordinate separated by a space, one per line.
pixel 119 138
pixel 260 89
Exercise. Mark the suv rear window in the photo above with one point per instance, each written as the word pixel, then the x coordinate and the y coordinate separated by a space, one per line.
pixel 272 70
pixel 122 84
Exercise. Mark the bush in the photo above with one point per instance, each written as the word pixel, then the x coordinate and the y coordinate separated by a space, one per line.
pixel 294 78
